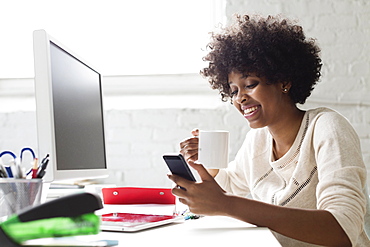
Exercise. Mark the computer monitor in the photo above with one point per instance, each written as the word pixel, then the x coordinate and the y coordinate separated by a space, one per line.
pixel 69 112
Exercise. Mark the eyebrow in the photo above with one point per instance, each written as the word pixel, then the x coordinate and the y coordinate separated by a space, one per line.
pixel 241 77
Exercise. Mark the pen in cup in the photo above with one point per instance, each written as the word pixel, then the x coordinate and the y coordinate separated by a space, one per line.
pixel 35 168
pixel 3 173
pixel 16 172
pixel 42 167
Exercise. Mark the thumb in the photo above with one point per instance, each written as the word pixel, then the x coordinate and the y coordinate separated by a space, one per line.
pixel 202 171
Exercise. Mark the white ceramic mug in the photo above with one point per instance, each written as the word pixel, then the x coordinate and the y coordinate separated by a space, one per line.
pixel 213 150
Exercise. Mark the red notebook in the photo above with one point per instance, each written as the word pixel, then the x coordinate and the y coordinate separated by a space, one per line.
pixel 137 195
pixel 130 222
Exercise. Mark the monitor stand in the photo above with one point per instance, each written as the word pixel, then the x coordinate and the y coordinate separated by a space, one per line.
pixel 56 190
pixel 66 186
pixel 52 191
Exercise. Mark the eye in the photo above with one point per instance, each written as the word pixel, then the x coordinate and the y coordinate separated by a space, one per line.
pixel 251 86
pixel 233 93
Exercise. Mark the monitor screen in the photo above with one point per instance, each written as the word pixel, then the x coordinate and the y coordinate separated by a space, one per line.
pixel 69 112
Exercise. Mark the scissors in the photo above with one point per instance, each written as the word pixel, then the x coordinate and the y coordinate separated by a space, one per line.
pixel 13 170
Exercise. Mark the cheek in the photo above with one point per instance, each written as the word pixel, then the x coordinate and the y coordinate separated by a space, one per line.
pixel 268 98
pixel 237 107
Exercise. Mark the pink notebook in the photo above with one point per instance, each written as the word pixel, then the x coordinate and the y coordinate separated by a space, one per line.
pixel 129 222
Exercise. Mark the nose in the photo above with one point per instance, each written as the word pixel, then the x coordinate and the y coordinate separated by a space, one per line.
pixel 241 97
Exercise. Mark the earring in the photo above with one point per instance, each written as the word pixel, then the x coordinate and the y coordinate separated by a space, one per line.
pixel 285 90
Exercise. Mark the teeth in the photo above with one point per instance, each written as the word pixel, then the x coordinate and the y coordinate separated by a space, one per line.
pixel 249 110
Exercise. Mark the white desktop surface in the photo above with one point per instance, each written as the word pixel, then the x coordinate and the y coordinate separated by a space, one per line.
pixel 209 231
pixel 212 231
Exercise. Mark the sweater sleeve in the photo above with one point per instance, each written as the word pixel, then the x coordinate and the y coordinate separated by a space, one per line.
pixel 341 173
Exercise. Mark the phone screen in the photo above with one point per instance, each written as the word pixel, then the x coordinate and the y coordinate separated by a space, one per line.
pixel 177 165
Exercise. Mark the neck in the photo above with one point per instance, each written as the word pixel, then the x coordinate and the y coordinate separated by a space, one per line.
pixel 285 132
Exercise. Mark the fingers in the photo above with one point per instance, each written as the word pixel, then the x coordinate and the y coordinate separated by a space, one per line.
pixel 181 183
pixel 179 191
pixel 202 171
pixel 201 197
pixel 189 148
pixel 189 144
pixel 183 201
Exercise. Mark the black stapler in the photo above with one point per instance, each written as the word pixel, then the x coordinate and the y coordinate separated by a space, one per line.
pixel 68 206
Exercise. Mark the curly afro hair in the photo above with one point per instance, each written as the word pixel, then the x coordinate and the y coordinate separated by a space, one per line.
pixel 270 47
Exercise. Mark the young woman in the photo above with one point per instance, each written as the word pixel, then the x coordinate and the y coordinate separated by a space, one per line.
pixel 303 169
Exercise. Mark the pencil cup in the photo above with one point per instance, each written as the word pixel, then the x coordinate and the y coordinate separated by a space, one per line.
pixel 18 194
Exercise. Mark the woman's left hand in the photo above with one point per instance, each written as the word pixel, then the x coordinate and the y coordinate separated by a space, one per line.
pixel 205 198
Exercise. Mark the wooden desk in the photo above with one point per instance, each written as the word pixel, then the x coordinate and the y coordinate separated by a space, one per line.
pixel 208 231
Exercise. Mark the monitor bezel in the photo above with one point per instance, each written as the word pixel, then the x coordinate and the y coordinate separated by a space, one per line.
pixel 45 113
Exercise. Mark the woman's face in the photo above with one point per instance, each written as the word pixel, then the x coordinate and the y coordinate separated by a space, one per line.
pixel 260 103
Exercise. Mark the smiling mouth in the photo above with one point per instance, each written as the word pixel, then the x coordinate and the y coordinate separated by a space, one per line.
pixel 249 111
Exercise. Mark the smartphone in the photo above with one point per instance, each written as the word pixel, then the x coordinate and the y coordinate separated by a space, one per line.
pixel 178 166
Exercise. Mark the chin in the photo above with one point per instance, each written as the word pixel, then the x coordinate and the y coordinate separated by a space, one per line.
pixel 256 125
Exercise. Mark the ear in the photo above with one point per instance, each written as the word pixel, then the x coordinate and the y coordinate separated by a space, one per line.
pixel 285 86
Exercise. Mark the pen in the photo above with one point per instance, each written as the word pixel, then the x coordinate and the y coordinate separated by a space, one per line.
pixel 16 171
pixel 9 171
pixel 44 159
pixel 34 168
pixel 41 171
pixel 3 173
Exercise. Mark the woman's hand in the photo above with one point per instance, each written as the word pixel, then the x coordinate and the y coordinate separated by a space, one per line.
pixel 189 150
pixel 189 146
pixel 205 198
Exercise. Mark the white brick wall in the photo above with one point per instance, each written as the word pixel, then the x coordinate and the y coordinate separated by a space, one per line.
pixel 136 138
pixel 142 128
pixel 135 146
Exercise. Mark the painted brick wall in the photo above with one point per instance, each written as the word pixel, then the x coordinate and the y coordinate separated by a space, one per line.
pixel 137 137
